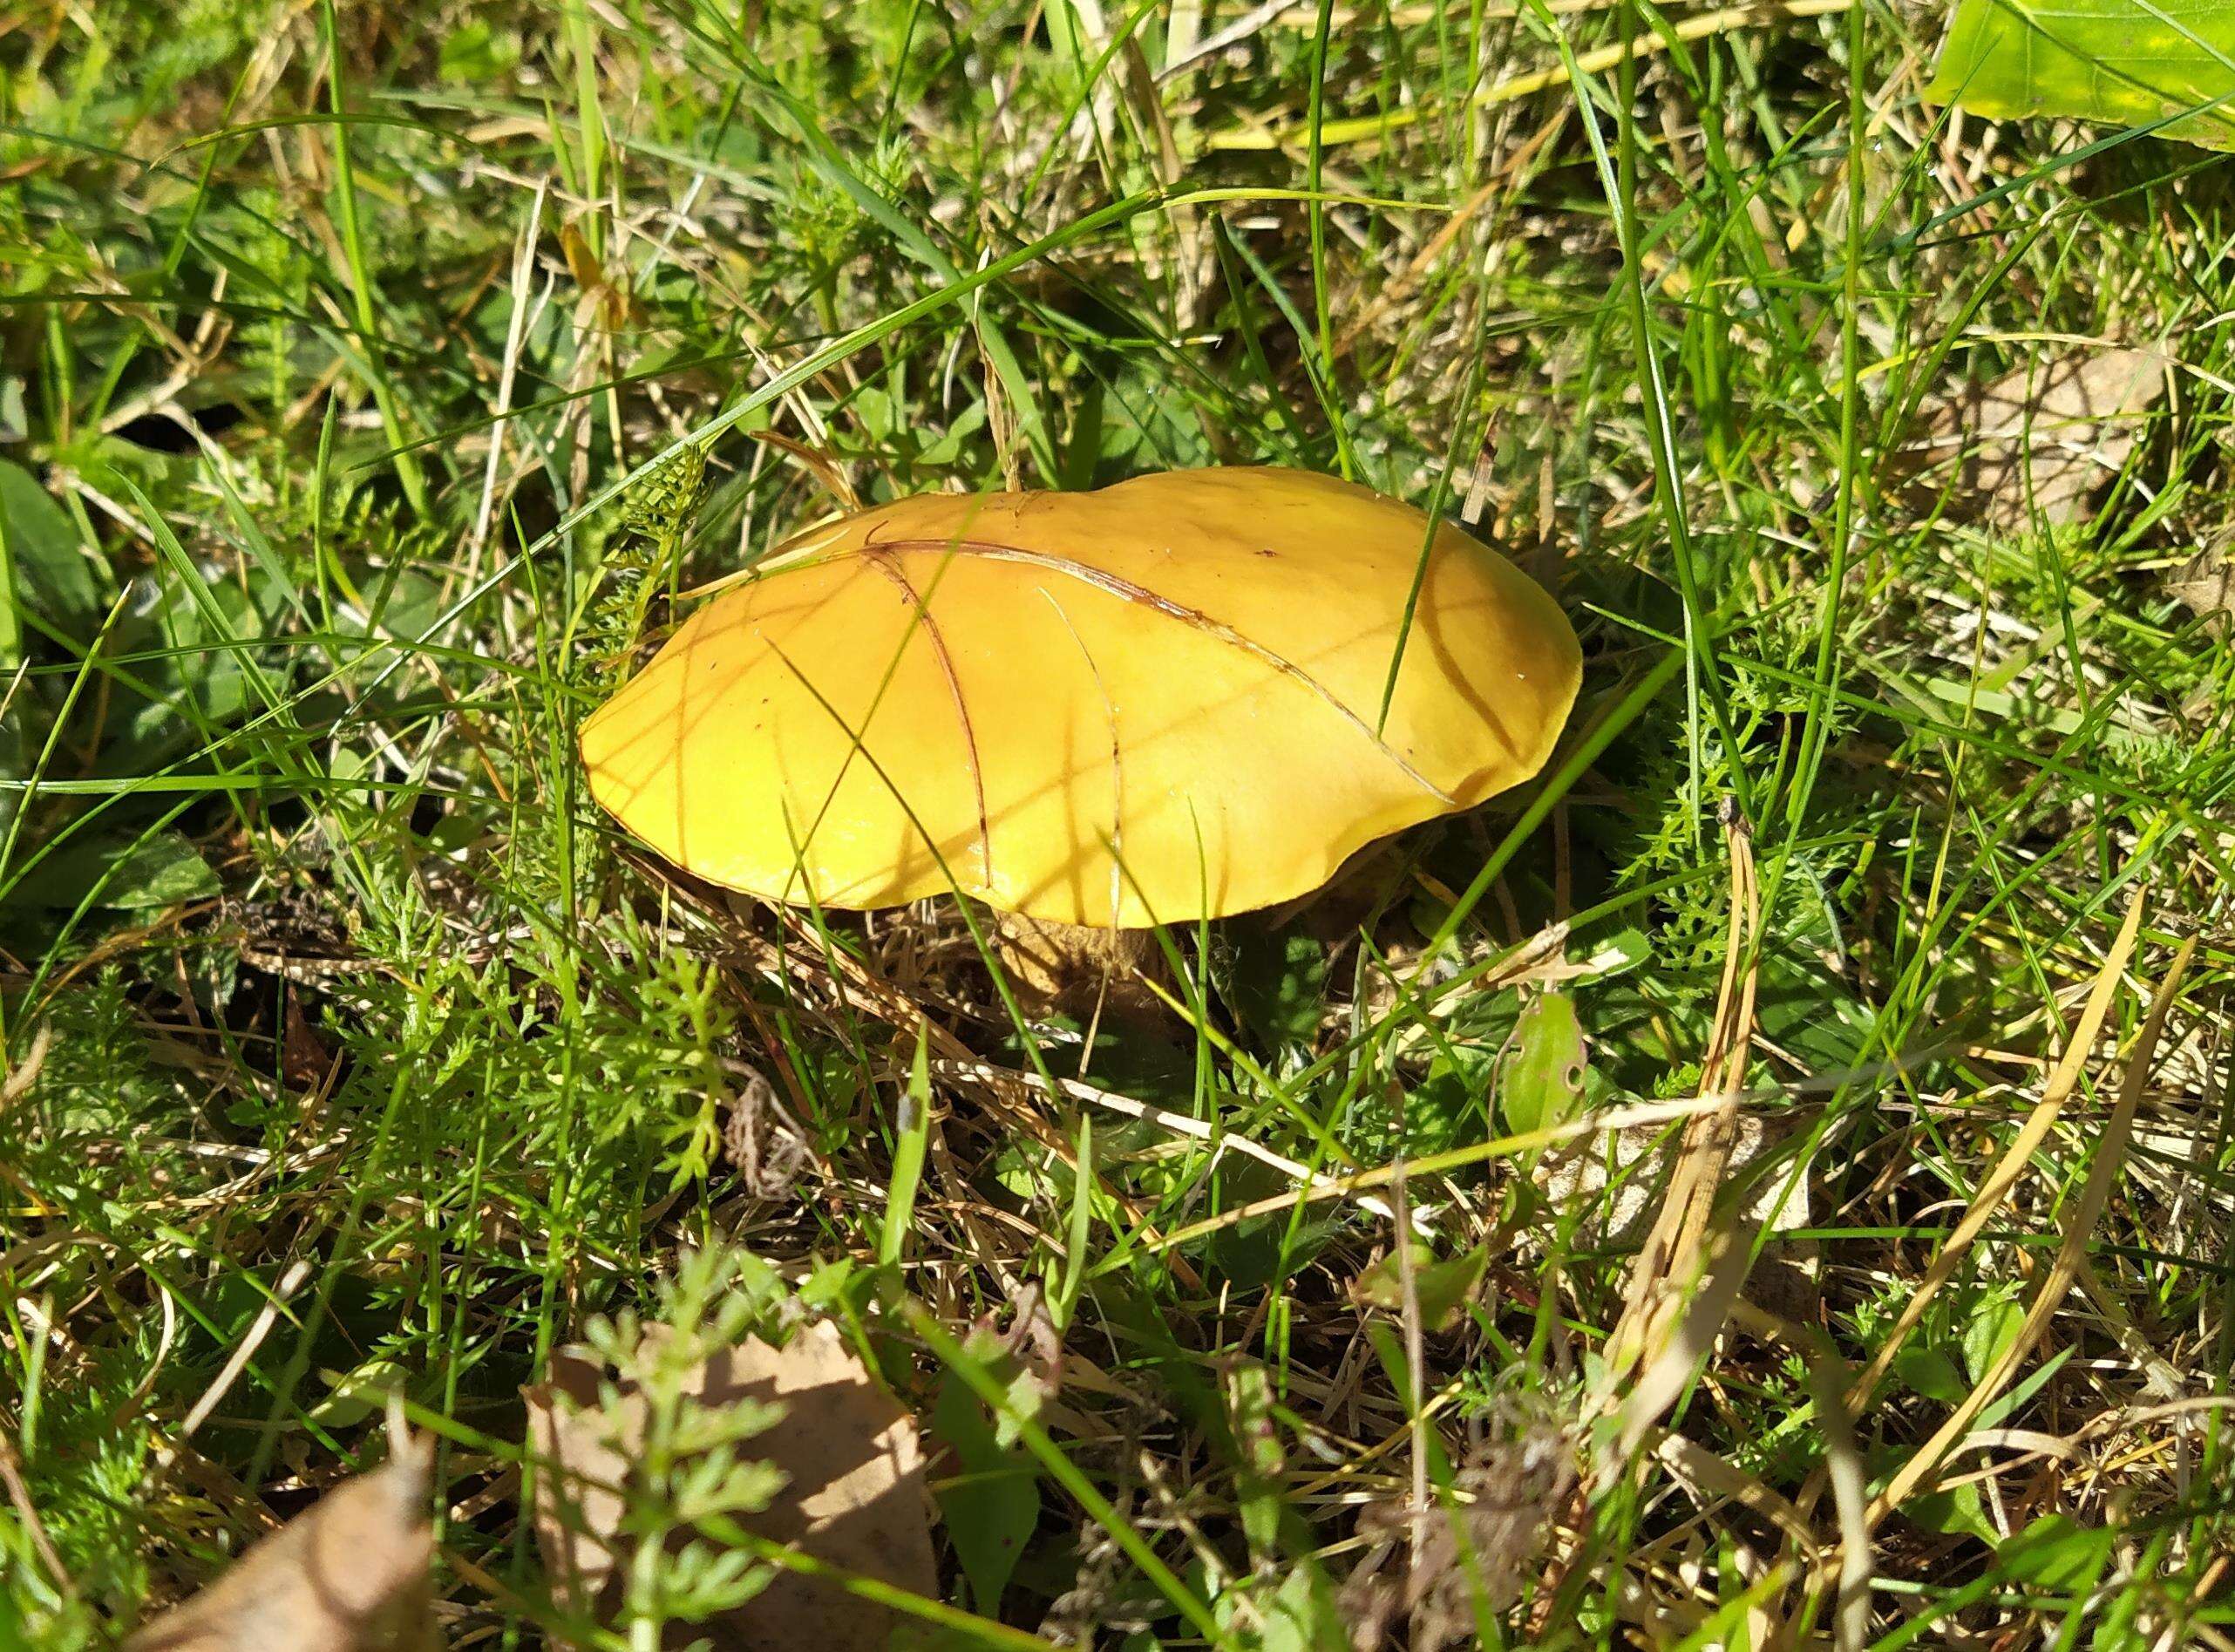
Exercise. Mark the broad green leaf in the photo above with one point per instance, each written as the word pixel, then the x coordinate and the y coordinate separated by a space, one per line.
pixel 1994 1326
pixel 475 53
pixel 49 575
pixel 1441 1288
pixel 1542 1078
pixel 358 1393
pixel 2056 1552
pixel 1451 1101
pixel 159 871
pixel 991 1503
pixel 2127 62
pixel 1623 950
pixel 11 768
pixel 1929 1372
pixel 1279 983
pixel 1960 1510
pixel 1257 1441
pixel 1303 1615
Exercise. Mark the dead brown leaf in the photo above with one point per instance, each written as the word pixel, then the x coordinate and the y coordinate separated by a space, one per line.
pixel 347 1574
pixel 853 1494
pixel 306 1054
pixel 2205 586
pixel 2039 441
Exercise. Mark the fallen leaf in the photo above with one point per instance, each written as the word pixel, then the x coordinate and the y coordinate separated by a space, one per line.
pixel 347 1575
pixel 853 1494
pixel 2039 440
pixel 306 1054
pixel 1618 1181
pixel 2205 586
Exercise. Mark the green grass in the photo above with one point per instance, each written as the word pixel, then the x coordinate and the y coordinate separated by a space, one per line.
pixel 339 1018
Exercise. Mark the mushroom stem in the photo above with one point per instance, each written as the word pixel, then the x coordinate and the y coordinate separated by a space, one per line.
pixel 1071 969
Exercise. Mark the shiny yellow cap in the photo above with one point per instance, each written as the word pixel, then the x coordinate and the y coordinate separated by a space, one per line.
pixel 1154 703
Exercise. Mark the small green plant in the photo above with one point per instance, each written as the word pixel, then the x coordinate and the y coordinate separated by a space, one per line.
pixel 681 1459
pixel 656 515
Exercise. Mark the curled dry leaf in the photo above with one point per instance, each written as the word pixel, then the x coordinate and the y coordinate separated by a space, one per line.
pixel 760 1140
pixel 347 1574
pixel 2039 441
pixel 853 1494
pixel 1032 1342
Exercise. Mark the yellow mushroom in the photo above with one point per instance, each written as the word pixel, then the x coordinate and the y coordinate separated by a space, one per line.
pixel 1157 702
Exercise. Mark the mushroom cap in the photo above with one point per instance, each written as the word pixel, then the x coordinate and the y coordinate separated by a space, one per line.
pixel 1150 703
